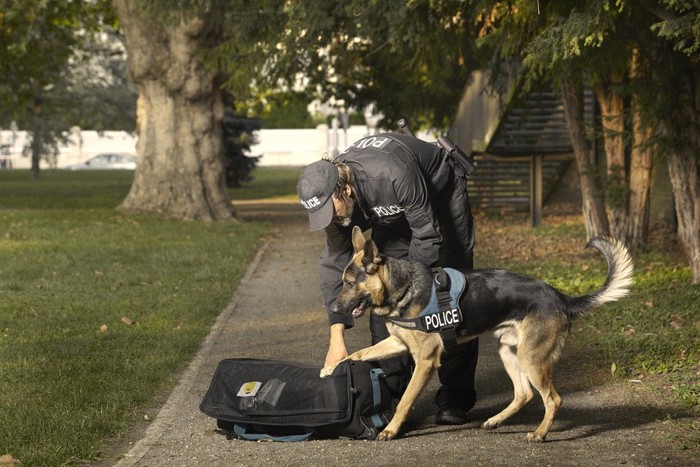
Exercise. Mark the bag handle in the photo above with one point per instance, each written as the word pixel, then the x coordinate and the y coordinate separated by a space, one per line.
pixel 242 432
pixel 376 397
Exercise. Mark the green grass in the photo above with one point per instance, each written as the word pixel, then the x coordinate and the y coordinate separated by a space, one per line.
pixel 61 189
pixel 269 182
pixel 71 267
pixel 58 189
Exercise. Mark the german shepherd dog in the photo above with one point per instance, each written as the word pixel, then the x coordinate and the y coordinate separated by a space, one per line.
pixel 530 319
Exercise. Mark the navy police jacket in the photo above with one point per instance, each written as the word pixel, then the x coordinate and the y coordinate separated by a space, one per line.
pixel 398 180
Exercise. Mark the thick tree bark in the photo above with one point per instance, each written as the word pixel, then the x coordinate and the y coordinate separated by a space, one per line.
pixel 612 113
pixel 593 208
pixel 640 170
pixel 684 171
pixel 181 162
pixel 639 185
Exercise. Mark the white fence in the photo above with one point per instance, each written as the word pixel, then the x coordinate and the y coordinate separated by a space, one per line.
pixel 296 147
pixel 79 147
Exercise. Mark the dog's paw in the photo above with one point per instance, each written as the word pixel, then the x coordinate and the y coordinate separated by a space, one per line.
pixel 534 438
pixel 490 424
pixel 327 370
pixel 386 435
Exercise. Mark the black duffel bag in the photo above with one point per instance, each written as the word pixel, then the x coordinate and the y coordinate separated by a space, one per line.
pixel 282 401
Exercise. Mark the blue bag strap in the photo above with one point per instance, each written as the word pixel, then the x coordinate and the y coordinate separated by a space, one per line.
pixel 242 432
pixel 376 396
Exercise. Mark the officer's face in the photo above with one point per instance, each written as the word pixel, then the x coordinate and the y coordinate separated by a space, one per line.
pixel 343 208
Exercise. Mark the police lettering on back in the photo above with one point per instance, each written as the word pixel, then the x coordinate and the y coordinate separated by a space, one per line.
pixel 373 142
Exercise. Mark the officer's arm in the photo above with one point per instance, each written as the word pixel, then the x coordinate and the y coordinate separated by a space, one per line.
pixel 337 350
pixel 412 193
pixel 335 256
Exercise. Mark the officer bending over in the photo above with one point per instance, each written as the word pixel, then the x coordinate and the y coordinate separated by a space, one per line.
pixel 415 201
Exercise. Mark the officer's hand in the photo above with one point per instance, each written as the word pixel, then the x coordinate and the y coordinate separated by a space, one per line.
pixel 336 350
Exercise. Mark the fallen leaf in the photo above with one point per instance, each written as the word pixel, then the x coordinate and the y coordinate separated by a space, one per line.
pixel 649 304
pixel 128 321
pixel 8 460
pixel 104 328
pixel 676 325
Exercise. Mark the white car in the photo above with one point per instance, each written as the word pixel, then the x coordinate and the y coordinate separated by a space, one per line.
pixel 106 161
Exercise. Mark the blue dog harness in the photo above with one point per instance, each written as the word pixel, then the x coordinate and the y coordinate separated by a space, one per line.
pixel 442 314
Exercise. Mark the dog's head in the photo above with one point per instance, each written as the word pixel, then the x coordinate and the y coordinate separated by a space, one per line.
pixel 363 287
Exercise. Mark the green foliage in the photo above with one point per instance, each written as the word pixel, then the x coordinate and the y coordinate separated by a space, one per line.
pixel 411 58
pixel 95 92
pixel 59 71
pixel 282 110
pixel 680 25
pixel 239 135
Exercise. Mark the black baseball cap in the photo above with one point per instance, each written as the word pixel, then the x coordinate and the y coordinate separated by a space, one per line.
pixel 315 188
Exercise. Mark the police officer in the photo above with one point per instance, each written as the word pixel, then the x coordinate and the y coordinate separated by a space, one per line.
pixel 414 199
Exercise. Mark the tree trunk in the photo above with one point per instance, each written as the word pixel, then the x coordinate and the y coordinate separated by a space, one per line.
pixel 612 113
pixel 37 147
pixel 684 171
pixel 593 209
pixel 640 171
pixel 181 163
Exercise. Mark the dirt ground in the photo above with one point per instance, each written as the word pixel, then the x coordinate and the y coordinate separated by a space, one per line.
pixel 277 314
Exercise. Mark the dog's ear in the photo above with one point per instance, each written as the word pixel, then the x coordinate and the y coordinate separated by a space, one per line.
pixel 371 259
pixel 358 240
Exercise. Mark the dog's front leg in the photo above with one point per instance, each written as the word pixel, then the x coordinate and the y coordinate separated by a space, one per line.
pixel 392 346
pixel 427 361
pixel 421 375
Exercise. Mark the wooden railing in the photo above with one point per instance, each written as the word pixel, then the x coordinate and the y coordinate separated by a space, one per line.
pixel 505 183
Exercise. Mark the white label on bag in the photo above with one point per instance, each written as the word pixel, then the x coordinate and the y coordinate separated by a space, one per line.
pixel 249 389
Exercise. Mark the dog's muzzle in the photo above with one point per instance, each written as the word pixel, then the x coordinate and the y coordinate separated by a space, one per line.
pixel 361 308
pixel 357 311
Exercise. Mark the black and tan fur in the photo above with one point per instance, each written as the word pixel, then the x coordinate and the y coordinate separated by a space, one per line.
pixel 530 318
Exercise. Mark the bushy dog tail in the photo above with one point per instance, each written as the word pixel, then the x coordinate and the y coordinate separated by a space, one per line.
pixel 618 282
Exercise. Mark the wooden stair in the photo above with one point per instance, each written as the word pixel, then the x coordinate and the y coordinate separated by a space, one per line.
pixel 509 137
